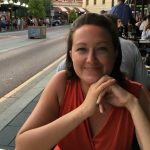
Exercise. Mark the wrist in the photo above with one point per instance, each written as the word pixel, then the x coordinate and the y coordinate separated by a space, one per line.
pixel 131 104
pixel 84 110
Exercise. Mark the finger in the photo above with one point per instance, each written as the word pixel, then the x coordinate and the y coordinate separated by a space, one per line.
pixel 103 79
pixel 99 102
pixel 101 95
pixel 101 108
pixel 105 85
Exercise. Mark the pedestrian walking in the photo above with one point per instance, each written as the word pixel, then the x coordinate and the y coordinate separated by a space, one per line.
pixel 123 12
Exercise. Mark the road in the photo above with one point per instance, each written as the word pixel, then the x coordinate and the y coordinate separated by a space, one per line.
pixel 21 58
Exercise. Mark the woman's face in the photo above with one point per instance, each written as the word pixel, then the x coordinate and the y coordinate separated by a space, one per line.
pixel 92 53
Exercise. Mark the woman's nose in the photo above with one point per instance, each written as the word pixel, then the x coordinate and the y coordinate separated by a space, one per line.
pixel 91 57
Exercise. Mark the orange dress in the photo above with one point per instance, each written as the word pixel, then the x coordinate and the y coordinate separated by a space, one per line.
pixel 117 133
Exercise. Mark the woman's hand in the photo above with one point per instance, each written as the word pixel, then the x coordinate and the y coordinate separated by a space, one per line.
pixel 106 90
pixel 117 96
pixel 96 92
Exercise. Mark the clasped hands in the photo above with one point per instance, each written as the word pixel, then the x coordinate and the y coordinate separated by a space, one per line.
pixel 107 90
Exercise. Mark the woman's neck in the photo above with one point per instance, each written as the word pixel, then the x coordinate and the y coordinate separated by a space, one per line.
pixel 85 87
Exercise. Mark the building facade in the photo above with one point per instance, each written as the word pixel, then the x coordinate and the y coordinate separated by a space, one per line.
pixel 62 8
pixel 90 5
pixel 69 5
pixel 97 5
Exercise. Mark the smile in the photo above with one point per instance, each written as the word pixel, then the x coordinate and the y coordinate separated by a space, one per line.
pixel 91 67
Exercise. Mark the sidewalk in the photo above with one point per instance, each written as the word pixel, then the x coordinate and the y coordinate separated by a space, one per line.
pixel 15 109
pixel 8 133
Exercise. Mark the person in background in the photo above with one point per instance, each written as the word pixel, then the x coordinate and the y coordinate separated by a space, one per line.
pixel 94 107
pixel 120 28
pixel 133 29
pixel 102 12
pixel 146 30
pixel 132 63
pixel 123 12
pixel 141 28
pixel 3 23
pixel 18 24
pixel 138 20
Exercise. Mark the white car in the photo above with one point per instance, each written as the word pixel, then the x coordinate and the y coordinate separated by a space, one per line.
pixel 56 22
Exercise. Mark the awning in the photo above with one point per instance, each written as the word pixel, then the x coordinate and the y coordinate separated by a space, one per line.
pixel 69 9
pixel 60 9
pixel 4 7
pixel 79 9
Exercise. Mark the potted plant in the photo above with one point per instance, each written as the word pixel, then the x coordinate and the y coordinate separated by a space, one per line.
pixel 37 13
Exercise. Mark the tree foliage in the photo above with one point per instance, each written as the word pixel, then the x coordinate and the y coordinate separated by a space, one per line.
pixel 47 6
pixel 24 1
pixel 36 8
pixel 72 16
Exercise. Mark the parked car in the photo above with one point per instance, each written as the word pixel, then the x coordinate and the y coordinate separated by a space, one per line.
pixel 56 22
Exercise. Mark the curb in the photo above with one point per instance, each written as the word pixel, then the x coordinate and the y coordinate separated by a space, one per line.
pixel 13 103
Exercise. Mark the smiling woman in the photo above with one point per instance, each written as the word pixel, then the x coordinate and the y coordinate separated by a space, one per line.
pixel 92 59
pixel 90 105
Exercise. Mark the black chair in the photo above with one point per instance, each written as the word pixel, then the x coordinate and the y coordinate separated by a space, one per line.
pixel 143 52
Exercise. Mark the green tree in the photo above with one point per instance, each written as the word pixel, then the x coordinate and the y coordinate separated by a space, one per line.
pixel 72 16
pixel 36 8
pixel 26 1
pixel 23 1
pixel 47 6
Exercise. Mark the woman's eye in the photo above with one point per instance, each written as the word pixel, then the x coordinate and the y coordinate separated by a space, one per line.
pixel 101 49
pixel 81 49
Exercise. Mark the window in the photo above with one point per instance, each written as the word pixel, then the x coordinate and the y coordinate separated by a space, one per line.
pixel 87 2
pixel 103 1
pixel 94 2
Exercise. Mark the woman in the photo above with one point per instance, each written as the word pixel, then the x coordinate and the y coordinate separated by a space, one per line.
pixel 146 30
pixel 121 28
pixel 94 106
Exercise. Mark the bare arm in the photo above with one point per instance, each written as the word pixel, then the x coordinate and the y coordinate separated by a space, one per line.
pixel 140 112
pixel 142 125
pixel 45 137
pixel 39 131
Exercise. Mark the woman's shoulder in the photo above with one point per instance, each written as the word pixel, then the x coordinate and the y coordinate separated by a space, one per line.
pixel 58 83
pixel 60 76
pixel 59 79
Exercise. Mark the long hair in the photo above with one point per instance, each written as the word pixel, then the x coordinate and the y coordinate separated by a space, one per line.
pixel 100 21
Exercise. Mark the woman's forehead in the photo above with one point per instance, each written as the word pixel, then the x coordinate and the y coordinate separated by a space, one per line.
pixel 92 32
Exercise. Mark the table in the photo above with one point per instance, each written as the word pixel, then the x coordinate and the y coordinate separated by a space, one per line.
pixel 141 41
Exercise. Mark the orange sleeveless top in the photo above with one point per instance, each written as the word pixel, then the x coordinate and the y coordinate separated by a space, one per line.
pixel 117 133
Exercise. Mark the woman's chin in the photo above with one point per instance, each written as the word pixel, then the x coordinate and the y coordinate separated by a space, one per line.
pixel 91 80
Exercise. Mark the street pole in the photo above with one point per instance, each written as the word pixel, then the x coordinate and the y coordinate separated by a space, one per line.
pixel 52 15
pixel 11 13
pixel 11 22
pixel 112 4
